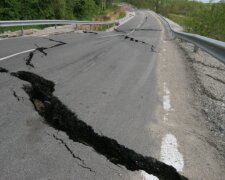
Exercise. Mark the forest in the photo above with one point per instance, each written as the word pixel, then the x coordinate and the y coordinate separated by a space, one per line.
pixel 52 9
pixel 207 19
pixel 196 17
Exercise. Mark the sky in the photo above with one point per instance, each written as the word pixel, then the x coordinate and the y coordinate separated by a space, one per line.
pixel 206 1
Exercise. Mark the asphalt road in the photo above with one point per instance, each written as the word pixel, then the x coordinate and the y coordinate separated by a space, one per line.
pixel 108 79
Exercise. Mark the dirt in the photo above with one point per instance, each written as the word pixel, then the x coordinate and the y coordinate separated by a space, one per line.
pixel 208 84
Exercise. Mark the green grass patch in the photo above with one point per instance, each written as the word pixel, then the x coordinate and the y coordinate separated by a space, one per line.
pixel 180 19
pixel 18 28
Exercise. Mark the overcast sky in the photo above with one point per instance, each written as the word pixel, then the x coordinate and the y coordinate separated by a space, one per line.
pixel 208 1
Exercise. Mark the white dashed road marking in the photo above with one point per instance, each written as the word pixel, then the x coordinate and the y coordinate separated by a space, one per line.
pixel 169 147
pixel 113 35
pixel 170 154
pixel 16 54
pixel 166 99
pixel 147 176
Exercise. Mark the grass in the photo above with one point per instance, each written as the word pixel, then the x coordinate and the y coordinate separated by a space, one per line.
pixel 110 14
pixel 180 19
pixel 193 25
pixel 18 28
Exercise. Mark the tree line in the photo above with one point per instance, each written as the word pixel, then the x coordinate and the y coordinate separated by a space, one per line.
pixel 196 17
pixel 52 9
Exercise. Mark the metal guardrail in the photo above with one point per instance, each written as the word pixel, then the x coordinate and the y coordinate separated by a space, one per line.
pixel 23 23
pixel 213 47
pixel 50 22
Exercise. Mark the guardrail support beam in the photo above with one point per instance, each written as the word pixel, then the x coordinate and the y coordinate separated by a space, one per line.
pixel 21 30
pixel 196 48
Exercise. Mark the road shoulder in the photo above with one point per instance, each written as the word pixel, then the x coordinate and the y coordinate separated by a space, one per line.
pixel 182 117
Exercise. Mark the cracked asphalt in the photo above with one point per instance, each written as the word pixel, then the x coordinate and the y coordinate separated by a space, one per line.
pixel 109 80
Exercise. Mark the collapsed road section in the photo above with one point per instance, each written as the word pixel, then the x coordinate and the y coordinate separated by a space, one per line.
pixel 57 115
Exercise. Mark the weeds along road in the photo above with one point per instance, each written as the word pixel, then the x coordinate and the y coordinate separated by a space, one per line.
pixel 99 106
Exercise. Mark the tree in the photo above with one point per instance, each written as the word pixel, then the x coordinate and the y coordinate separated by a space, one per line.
pixel 84 9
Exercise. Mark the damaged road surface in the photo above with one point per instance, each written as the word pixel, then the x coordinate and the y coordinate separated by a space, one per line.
pixel 28 59
pixel 108 80
pixel 92 106
pixel 61 118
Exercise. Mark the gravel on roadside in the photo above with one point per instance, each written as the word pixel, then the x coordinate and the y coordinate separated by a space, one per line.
pixel 208 83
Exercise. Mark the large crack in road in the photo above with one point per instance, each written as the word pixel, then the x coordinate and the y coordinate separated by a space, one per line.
pixel 57 115
pixel 28 59
pixel 127 35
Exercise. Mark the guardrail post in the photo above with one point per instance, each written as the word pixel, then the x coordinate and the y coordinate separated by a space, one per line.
pixel 76 27
pixel 55 26
pixel 90 27
pixel 173 36
pixel 21 30
pixel 196 48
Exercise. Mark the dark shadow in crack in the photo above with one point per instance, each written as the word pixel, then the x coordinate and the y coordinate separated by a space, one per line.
pixel 42 50
pixel 16 96
pixel 118 30
pixel 60 43
pixel 83 165
pixel 29 59
pixel 135 40
pixel 138 29
pixel 3 70
pixel 57 115
pixel 147 29
pixel 90 32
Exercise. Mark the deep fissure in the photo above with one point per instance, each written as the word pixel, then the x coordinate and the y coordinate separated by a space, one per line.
pixel 57 115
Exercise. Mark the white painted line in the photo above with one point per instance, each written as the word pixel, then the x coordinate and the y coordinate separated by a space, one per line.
pixel 166 99
pixel 147 176
pixel 16 54
pixel 138 26
pixel 165 117
pixel 170 154
pixel 130 32
pixel 113 35
pixel 126 19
